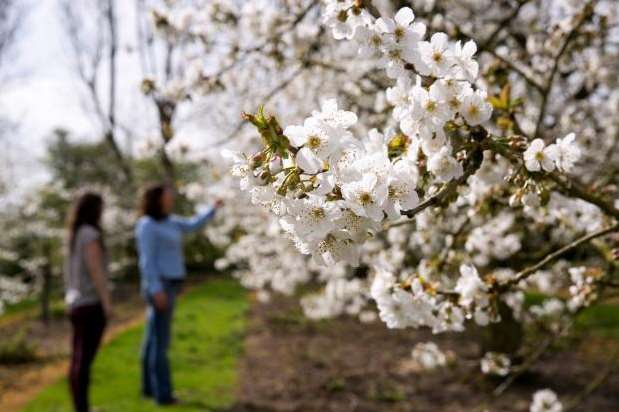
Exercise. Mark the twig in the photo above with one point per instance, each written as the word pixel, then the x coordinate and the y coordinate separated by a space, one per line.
pixel 525 273
pixel 502 24
pixel 568 186
pixel 580 20
pixel 272 93
pixel 537 353
pixel 476 157
pixel 246 52
pixel 528 77
pixel 574 188
pixel 595 383
pixel 486 46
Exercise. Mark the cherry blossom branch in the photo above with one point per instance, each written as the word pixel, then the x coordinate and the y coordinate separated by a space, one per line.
pixel 524 73
pixel 486 46
pixel 525 273
pixel 246 52
pixel 272 93
pixel 573 188
pixel 580 20
pixel 568 186
pixel 476 157
pixel 540 349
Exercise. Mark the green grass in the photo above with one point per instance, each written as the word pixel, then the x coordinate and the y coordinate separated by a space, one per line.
pixel 208 328
pixel 601 320
pixel 30 308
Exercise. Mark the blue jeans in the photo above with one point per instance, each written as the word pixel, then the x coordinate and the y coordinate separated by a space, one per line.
pixel 156 379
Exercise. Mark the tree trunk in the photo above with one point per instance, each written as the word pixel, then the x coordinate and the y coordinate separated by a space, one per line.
pixel 505 336
pixel 46 290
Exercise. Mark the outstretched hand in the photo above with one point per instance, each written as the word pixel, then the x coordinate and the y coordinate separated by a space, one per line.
pixel 219 203
pixel 160 301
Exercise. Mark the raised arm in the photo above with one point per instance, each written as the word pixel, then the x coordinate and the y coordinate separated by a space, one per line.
pixel 196 222
pixel 98 273
pixel 147 251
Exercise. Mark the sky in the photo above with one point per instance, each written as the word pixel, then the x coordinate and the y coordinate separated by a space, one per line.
pixel 38 94
pixel 43 91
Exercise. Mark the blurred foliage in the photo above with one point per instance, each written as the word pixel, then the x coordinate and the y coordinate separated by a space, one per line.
pixel 17 349
pixel 34 232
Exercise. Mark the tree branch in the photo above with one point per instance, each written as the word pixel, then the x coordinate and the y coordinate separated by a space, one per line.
pixel 476 158
pixel 525 273
pixel 580 20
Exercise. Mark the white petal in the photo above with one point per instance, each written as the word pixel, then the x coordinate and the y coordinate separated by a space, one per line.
pixel 308 161
pixel 296 134
pixel 532 165
pixel 385 25
pixel 469 49
pixel 404 16
pixel 548 164
pixel 410 201
pixel 439 40
pixel 537 145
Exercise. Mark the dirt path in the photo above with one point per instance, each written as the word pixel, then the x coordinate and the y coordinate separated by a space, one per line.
pixel 291 364
pixel 21 383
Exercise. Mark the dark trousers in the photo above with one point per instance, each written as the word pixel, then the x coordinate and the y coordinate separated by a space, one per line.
pixel 156 379
pixel 88 324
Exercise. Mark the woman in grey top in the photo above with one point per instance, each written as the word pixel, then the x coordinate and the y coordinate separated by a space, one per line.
pixel 87 295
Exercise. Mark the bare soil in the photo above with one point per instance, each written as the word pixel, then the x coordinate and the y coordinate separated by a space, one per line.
pixel 291 364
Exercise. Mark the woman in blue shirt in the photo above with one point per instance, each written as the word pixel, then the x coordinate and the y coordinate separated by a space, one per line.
pixel 159 236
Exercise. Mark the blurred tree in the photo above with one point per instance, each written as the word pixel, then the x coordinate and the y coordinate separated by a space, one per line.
pixel 91 28
pixel 10 21
pixel 11 14
pixel 75 164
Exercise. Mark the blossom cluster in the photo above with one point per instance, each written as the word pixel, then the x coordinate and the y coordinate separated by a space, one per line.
pixel 330 188
pixel 584 290
pixel 561 155
pixel 338 189
pixel 12 291
pixel 546 400
pixel 429 356
pixel 495 364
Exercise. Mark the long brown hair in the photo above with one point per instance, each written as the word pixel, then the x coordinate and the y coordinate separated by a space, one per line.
pixel 86 210
pixel 151 204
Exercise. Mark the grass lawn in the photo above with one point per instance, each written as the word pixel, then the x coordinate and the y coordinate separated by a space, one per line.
pixel 208 332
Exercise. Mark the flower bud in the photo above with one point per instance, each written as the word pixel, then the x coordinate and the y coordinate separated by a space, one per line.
pixel 517 142
pixel 263 178
pixel 256 160
pixel 275 165
pixel 515 199
pixel 531 199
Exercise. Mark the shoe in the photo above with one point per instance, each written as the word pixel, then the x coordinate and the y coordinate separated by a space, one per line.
pixel 168 402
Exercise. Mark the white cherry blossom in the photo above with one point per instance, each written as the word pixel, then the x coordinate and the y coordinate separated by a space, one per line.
pixel 546 400
pixel 444 166
pixel 366 196
pixel 435 57
pixel 475 109
pixel 465 66
pixel 538 157
pixel 566 153
pixel 469 286
pixel 401 194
